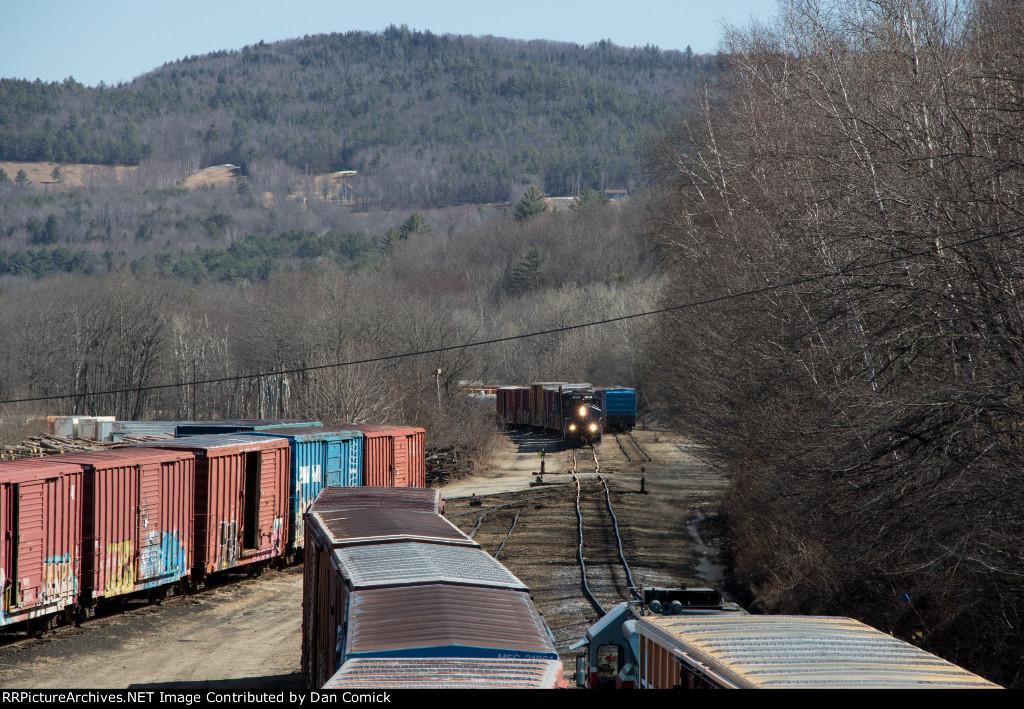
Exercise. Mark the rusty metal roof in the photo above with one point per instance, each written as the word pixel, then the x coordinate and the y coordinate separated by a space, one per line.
pixel 111 457
pixel 414 563
pixel 803 651
pixel 350 498
pixel 441 620
pixel 380 525
pixel 448 673
pixel 216 442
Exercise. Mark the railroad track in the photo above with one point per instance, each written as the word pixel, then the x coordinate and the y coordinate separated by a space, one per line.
pixel 638 452
pixel 607 577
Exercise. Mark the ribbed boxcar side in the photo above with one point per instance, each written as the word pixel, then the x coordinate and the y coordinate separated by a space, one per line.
pixel 619 407
pixel 241 498
pixel 320 457
pixel 393 456
pixel 40 539
pixel 137 527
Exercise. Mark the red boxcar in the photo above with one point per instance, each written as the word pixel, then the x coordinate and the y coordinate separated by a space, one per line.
pixel 241 498
pixel 137 519
pixel 393 456
pixel 514 405
pixel 40 539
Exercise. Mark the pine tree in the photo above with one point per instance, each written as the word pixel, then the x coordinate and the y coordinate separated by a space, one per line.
pixel 415 224
pixel 527 273
pixel 530 205
pixel 390 241
pixel 590 197
pixel 22 179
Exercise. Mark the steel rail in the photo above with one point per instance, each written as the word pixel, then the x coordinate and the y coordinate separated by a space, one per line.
pixel 639 447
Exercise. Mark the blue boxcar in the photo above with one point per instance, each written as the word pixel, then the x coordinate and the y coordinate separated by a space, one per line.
pixel 619 407
pixel 321 457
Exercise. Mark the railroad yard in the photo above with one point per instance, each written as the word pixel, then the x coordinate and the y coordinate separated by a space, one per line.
pixel 246 633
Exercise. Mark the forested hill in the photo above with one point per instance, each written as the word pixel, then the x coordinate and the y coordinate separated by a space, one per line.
pixel 427 120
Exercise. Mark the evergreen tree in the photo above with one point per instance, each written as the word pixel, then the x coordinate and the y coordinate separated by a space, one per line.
pixel 22 179
pixel 390 240
pixel 527 274
pixel 530 205
pixel 415 224
pixel 4 178
pixel 57 175
pixel 590 197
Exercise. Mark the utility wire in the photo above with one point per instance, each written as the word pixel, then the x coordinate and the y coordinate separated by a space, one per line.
pixel 565 328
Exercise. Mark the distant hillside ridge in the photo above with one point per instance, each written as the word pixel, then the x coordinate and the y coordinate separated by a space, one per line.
pixel 426 120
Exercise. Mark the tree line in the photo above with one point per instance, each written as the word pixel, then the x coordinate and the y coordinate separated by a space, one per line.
pixel 861 177
pixel 428 120
pixel 103 342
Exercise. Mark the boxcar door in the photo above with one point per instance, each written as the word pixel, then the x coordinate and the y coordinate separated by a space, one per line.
pixel 401 461
pixel 29 529
pixel 150 521
pixel 335 465
pixel 10 506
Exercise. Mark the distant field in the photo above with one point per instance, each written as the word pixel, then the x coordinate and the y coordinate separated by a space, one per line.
pixel 72 174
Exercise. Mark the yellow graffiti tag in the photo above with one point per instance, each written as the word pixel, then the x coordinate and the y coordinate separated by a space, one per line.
pixel 120 568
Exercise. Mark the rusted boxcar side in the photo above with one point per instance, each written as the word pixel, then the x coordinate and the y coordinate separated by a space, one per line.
pixel 40 539
pixel 241 498
pixel 393 456
pixel 137 519
pixel 320 457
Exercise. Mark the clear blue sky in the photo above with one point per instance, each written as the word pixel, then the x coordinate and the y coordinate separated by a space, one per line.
pixel 116 40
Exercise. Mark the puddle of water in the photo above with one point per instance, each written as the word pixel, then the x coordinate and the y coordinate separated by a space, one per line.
pixel 709 569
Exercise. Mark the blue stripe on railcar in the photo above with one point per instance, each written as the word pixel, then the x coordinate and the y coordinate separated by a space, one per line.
pixel 320 458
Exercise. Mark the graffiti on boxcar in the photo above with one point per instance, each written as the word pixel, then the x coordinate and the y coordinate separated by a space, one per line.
pixel 7 590
pixel 276 533
pixel 120 571
pixel 162 554
pixel 59 579
pixel 229 543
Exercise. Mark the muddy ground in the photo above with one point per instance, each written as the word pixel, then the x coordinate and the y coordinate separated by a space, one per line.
pixel 246 633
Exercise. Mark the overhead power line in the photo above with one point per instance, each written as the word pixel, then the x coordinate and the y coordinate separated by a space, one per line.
pixel 565 328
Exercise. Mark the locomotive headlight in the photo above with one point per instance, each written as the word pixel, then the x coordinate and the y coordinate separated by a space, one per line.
pixel 583 411
pixel 572 427
pixel 593 427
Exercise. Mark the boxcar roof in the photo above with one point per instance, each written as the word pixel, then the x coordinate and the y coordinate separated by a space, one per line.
pixel 440 620
pixel 35 469
pixel 305 434
pixel 379 525
pixel 112 457
pixel 215 441
pixel 414 563
pixel 447 673
pixel 805 651
pixel 370 430
pixel 352 498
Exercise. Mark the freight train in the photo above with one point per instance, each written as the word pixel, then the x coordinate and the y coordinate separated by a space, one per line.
pixel 396 596
pixel 693 639
pixel 77 529
pixel 579 413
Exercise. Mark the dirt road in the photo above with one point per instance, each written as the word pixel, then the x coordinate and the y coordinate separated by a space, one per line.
pixel 246 634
